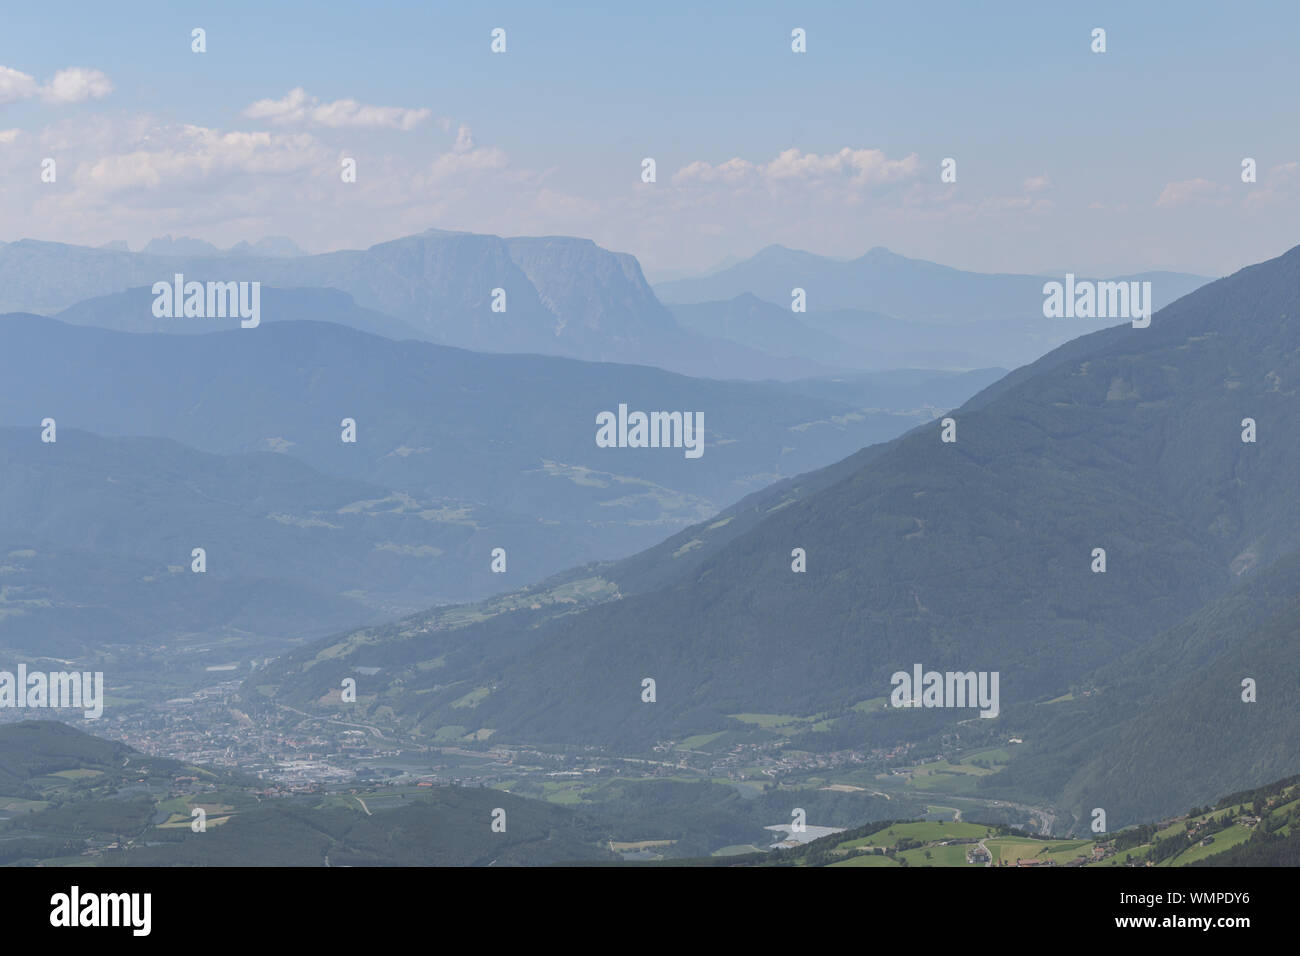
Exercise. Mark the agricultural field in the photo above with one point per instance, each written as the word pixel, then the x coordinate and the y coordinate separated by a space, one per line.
pixel 1010 850
pixel 928 831
pixel 1270 813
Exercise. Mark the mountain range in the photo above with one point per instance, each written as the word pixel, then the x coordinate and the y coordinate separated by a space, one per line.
pixel 977 554
pixel 883 310
pixel 569 297
pixel 457 453
pixel 890 284
pixel 559 296
pixel 972 555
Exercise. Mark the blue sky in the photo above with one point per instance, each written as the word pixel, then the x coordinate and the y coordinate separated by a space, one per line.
pixel 1067 159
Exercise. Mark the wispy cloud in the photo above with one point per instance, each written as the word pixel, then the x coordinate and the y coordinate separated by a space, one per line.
pixel 1279 184
pixel 298 108
pixel 1186 191
pixel 1036 184
pixel 74 84
pixel 854 168
pixel 193 154
pixel 16 86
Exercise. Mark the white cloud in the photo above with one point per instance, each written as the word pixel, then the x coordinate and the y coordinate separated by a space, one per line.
pixel 297 108
pixel 563 205
pixel 16 86
pixel 72 85
pixel 464 140
pixel 474 160
pixel 1186 191
pixel 291 109
pixel 9 136
pixel 860 166
pixel 732 171
pixel 136 176
pixel 77 84
pixel 1275 186
pixel 855 168
pixel 1036 184
pixel 190 154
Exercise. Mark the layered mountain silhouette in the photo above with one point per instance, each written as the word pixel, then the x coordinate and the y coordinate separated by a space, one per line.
pixel 562 296
pixel 976 555
pixel 885 282
pixel 569 297
pixel 457 453
pixel 275 246
pixel 132 311
pixel 884 310
pixel 871 340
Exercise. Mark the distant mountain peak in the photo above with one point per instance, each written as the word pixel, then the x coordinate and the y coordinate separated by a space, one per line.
pixel 434 231
pixel 275 247
pixel 269 247
pixel 180 246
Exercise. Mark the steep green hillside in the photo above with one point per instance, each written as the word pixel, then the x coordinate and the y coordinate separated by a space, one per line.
pixel 98 536
pixel 32 749
pixel 449 827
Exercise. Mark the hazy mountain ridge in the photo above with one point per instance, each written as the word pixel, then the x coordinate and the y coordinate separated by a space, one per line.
pixel 132 311
pixel 562 296
pixel 870 340
pixel 888 283
pixel 276 246
pixel 567 296
pixel 1128 439
pixel 458 453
